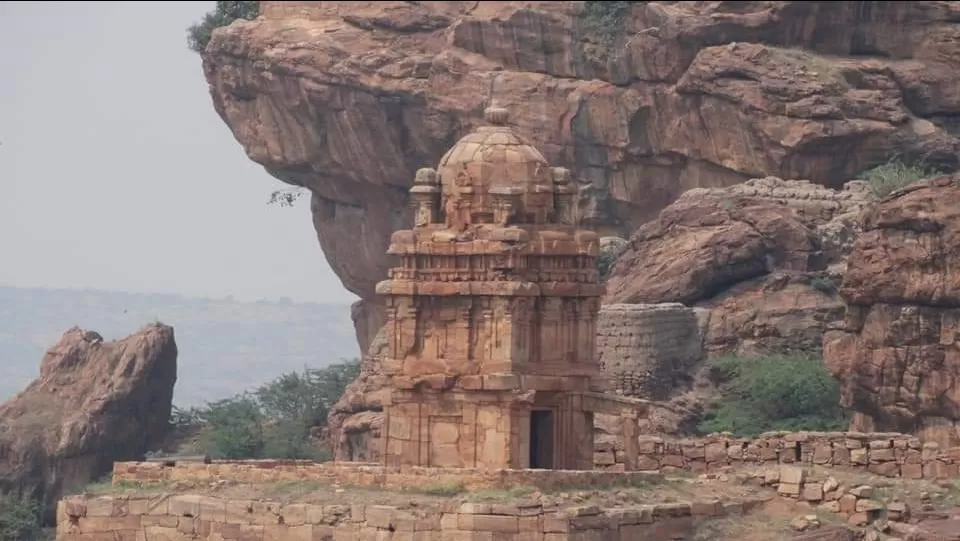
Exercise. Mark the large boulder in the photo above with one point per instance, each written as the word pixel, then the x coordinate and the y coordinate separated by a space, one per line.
pixel 94 403
pixel 897 351
pixel 762 258
pixel 348 99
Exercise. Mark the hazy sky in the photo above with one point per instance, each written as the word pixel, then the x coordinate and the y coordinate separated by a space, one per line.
pixel 116 172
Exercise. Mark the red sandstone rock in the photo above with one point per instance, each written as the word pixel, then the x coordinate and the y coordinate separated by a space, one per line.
pixel 761 256
pixel 897 353
pixel 95 402
pixel 349 98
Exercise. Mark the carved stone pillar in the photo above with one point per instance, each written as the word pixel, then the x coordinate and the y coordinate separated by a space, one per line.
pixel 425 196
pixel 563 193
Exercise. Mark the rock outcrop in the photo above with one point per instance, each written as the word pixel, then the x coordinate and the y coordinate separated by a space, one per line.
pixel 354 422
pixel 897 351
pixel 95 402
pixel 348 99
pixel 763 257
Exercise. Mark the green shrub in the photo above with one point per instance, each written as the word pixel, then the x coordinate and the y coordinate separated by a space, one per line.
pixel 605 261
pixel 233 428
pixel 605 20
pixel 760 394
pixel 199 34
pixel 273 421
pixel 20 519
pixel 894 175
pixel 824 284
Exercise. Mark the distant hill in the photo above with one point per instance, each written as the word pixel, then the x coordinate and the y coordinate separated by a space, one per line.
pixel 225 346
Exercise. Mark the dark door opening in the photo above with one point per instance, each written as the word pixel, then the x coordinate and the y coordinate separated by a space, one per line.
pixel 541 440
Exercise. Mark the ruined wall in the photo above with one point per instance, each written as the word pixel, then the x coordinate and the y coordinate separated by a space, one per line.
pixel 886 454
pixel 292 10
pixel 647 350
pixel 272 471
pixel 183 517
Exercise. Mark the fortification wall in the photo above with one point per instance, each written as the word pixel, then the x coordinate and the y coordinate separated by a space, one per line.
pixel 815 204
pixel 292 10
pixel 645 350
pixel 186 517
pixel 886 454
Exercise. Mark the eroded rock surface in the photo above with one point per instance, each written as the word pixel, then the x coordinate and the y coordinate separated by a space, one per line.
pixel 95 402
pixel 349 98
pixel 355 420
pixel 763 258
pixel 897 351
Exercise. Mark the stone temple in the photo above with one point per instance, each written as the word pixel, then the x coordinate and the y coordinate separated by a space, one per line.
pixel 492 315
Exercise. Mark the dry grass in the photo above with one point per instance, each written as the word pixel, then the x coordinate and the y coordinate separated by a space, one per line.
pixel 812 64
pixel 768 523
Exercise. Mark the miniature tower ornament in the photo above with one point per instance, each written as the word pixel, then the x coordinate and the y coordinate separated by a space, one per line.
pixel 492 314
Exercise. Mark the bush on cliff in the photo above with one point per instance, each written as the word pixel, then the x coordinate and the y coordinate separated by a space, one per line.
pixel 199 34
pixel 273 421
pixel 887 178
pixel 20 519
pixel 760 394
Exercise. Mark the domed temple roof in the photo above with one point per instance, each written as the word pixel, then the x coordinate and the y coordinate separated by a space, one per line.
pixel 493 175
pixel 495 144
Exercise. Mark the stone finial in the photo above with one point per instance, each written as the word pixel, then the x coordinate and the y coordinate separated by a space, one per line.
pixel 496 115
pixel 561 175
pixel 426 177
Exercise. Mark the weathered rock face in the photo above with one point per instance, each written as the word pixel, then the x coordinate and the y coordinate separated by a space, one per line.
pixel 349 98
pixel 355 420
pixel 95 402
pixel 897 352
pixel 762 257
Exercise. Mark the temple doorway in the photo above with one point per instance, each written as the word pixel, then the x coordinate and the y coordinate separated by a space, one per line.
pixel 541 440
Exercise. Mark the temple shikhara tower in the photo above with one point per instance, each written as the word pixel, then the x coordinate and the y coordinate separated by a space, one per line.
pixel 492 315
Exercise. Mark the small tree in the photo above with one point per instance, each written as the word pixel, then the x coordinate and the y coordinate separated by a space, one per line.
pixel 20 518
pixel 275 420
pixel 199 34
pixel 234 428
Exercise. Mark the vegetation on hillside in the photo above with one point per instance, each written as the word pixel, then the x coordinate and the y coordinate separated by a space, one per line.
pixel 605 20
pixel 759 394
pixel 891 176
pixel 199 34
pixel 20 519
pixel 273 421
pixel 605 261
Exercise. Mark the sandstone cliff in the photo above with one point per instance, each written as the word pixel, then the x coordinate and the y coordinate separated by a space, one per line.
pixel 897 351
pixel 762 258
pixel 95 402
pixel 348 99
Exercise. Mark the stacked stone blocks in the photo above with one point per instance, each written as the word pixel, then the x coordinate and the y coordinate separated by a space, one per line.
pixel 190 517
pixel 884 454
pixel 644 349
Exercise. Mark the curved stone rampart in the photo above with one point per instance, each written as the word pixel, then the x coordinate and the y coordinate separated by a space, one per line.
pixel 646 350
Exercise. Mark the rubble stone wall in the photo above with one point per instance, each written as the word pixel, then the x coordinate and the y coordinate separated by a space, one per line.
pixel 289 10
pixel 881 453
pixel 644 349
pixel 191 517
pixel 271 471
